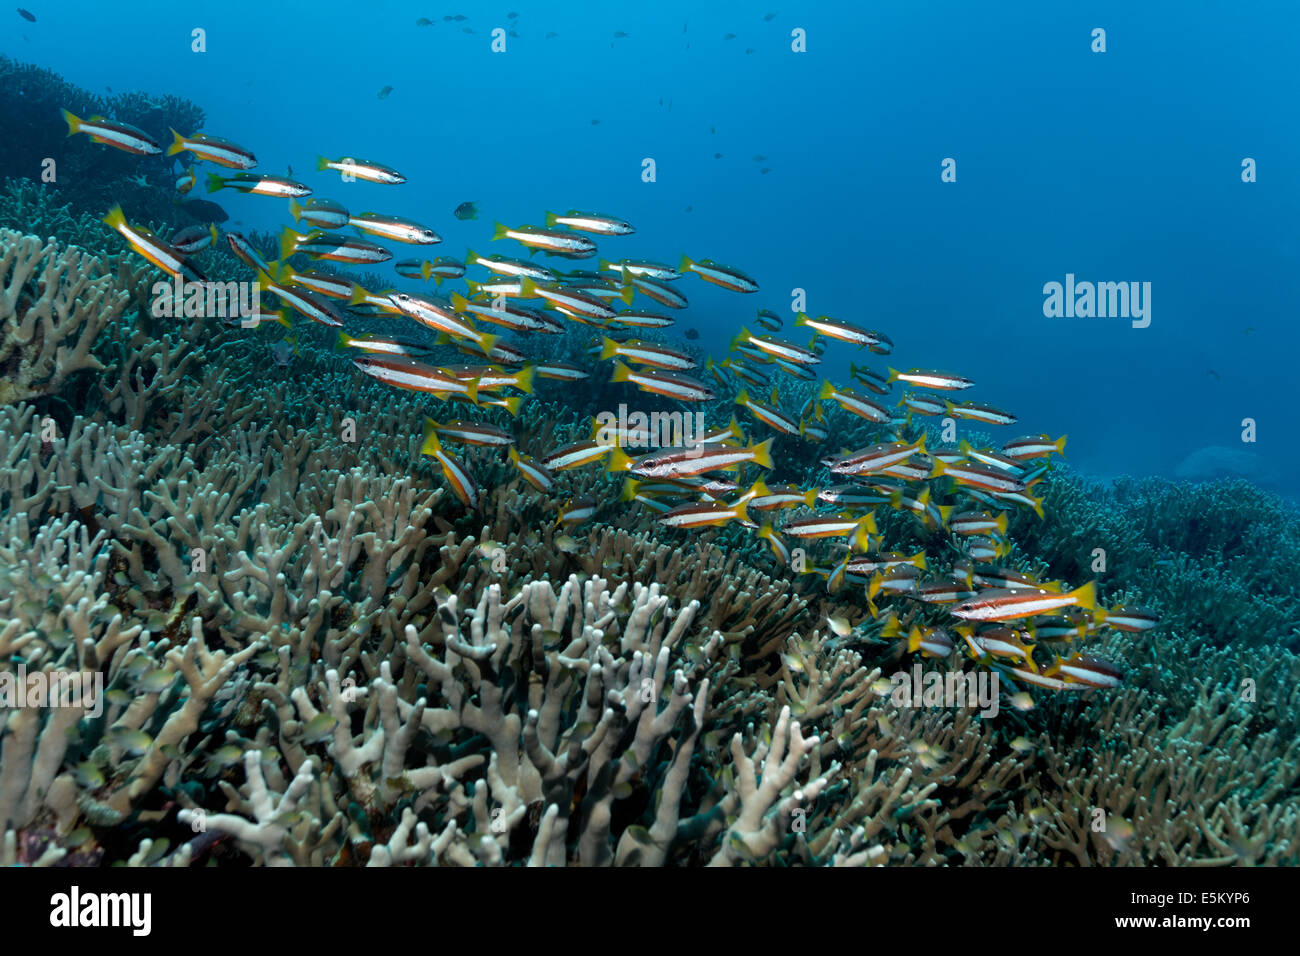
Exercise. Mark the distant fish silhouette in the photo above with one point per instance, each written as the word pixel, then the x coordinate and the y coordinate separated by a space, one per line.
pixel 383 94
pixel 204 210
pixel 27 15
pixel 466 210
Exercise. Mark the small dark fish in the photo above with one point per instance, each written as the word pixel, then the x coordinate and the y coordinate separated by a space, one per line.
pixel 460 16
pixel 689 208
pixel 468 30
pixel 511 15
pixel 383 94
pixel 768 17
pixel 765 170
pixel 466 210
pixel 514 34
pixel 759 157
pixel 204 210
pixel 619 34
pixel 27 15
pixel 692 334
pixel 424 22
pixel 1213 374
pixel 717 155
pixel 595 122
pixel 729 36
pixel 550 36
pixel 749 50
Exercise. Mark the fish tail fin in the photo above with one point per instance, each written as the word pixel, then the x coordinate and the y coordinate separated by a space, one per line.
pixel 1086 596
pixel 1038 507
pixel 512 405
pixel 766 531
pixel 945 512
pixel 288 243
pixel 74 122
pixel 358 296
pixel 965 447
pixel 742 511
pixel 430 445
pixel 487 342
pixel 343 341
pixel 215 183
pixel 629 489
pixel 498 231
pixel 763 454
pixel 759 488
pixel 618 460
pixel 459 302
pixel 827 390
pixel 550 218
pixel 1002 523
pixel 742 397
pixel 893 375
pixel 920 446
pixel 178 144
pixel 115 217
pixel 685 264
pixel 527 288
pixel 734 428
pixel 938 468
pixel 914 638
pixel 282 317
pixel 471 391
pixel 604 265
pixel 1059 445
pixel 608 348
pixel 741 337
pixel 628 293
pixel 295 210
pixel 918 560
pixel 810 496
pixel 322 164
pixel 426 270
pixel 621 373
pixel 861 538
pixel 524 380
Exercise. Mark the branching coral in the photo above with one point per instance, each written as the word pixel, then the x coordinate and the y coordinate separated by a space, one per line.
pixel 54 301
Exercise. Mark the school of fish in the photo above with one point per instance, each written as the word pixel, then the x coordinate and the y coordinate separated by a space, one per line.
pixel 961 495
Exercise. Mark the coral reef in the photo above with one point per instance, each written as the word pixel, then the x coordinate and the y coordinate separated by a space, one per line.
pixel 54 302
pixel 253 625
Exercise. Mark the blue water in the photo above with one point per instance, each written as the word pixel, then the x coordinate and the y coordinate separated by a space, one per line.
pixel 1115 166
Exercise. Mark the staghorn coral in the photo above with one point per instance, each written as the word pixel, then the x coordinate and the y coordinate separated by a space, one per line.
pixel 54 302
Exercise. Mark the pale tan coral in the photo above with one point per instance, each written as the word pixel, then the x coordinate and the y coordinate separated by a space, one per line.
pixel 54 301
